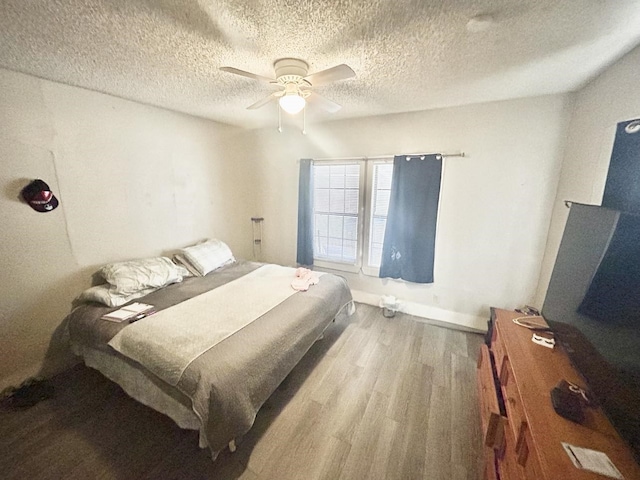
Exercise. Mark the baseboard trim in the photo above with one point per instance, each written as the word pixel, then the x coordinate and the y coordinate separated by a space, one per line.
pixel 429 314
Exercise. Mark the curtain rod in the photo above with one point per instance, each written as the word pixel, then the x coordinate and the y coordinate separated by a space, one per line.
pixel 383 157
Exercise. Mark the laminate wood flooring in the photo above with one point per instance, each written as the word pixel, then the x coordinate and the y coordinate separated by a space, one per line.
pixel 377 398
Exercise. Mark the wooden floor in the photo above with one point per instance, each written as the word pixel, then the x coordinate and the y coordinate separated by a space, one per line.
pixel 377 398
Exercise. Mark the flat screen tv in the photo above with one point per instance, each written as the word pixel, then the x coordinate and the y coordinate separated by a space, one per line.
pixel 593 308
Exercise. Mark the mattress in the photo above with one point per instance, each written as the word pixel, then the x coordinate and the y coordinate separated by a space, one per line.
pixel 220 392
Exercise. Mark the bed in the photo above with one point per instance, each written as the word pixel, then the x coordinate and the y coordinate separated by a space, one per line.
pixel 216 389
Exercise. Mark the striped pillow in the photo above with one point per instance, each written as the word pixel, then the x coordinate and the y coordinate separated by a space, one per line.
pixel 208 256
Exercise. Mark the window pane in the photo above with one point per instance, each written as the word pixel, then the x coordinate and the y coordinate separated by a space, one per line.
pixel 384 173
pixel 351 201
pixel 321 175
pixel 375 255
pixel 381 206
pixel 352 179
pixel 352 169
pixel 322 225
pixel 351 228
pixel 334 250
pixel 377 229
pixel 321 200
pixel 337 176
pixel 320 246
pixel 336 202
pixel 335 226
pixel 349 251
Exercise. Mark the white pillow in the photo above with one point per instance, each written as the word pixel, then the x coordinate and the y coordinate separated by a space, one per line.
pixel 179 259
pixel 136 275
pixel 208 256
pixel 107 295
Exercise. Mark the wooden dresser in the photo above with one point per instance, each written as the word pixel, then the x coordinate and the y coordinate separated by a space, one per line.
pixel 522 433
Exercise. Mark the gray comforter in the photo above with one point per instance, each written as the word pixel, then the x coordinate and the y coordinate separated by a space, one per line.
pixel 229 383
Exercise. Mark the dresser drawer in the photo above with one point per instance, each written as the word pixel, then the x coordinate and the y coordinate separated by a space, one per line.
pixel 490 465
pixel 508 467
pixel 497 347
pixel 486 387
pixel 512 401
pixel 526 456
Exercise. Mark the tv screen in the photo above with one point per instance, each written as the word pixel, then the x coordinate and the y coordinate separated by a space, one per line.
pixel 593 306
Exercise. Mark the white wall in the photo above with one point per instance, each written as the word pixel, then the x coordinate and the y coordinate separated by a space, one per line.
pixel 132 180
pixel 496 202
pixel 611 98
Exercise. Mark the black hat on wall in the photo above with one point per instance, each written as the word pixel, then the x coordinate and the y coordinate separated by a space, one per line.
pixel 39 196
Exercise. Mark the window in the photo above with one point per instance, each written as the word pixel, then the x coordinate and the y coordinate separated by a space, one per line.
pixel 380 195
pixel 336 202
pixel 350 203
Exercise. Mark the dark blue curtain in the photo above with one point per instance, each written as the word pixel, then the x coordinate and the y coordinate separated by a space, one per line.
pixel 622 190
pixel 305 213
pixel 410 236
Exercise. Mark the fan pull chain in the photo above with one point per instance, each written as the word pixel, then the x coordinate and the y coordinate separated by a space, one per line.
pixel 279 118
pixel 304 120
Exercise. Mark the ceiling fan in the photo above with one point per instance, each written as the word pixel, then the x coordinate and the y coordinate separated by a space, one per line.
pixel 296 84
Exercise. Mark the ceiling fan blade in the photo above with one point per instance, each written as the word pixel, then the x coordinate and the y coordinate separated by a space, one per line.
pixel 324 103
pixel 242 73
pixel 333 74
pixel 263 102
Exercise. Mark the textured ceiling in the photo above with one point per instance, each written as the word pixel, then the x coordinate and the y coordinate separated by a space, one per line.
pixel 407 54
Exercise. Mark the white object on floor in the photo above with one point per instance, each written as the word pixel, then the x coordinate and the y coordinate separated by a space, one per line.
pixel 390 305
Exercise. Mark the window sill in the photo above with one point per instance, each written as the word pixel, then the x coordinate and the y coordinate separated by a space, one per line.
pixel 371 271
pixel 344 267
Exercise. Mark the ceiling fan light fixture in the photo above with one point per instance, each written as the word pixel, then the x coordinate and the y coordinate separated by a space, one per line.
pixel 295 85
pixel 292 103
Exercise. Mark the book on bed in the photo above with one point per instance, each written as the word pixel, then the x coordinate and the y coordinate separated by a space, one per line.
pixel 128 312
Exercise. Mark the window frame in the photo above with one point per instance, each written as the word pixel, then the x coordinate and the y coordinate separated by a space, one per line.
pixel 345 266
pixel 369 208
pixel 365 214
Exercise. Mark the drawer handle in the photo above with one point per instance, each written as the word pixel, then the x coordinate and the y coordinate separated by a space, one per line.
pixel 494 436
pixel 480 358
pixel 504 373
pixel 522 449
